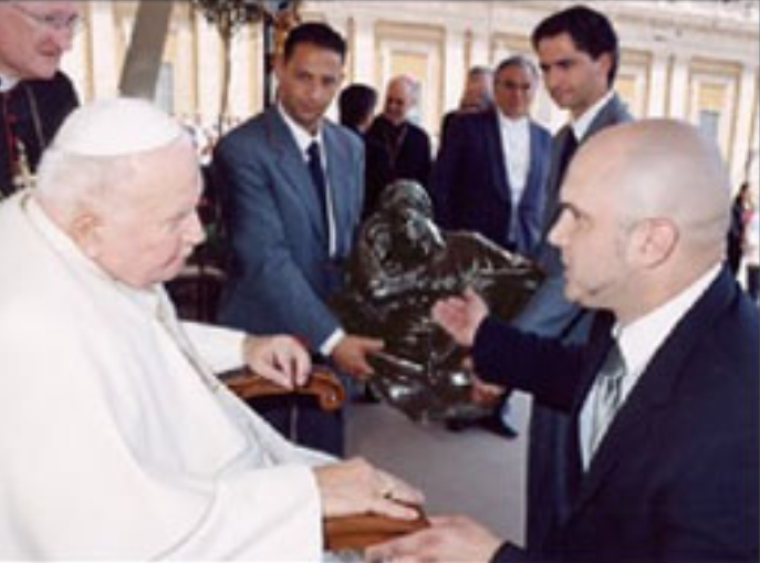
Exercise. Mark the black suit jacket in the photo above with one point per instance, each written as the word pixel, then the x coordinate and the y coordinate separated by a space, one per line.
pixel 32 111
pixel 411 159
pixel 676 476
pixel 470 187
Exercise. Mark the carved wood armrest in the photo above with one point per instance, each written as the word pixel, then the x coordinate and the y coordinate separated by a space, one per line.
pixel 323 385
pixel 364 530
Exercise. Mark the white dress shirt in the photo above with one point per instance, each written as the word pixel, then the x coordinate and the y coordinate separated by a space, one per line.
pixel 515 144
pixel 639 341
pixel 7 83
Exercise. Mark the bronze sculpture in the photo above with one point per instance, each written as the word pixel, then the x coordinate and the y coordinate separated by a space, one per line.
pixel 400 266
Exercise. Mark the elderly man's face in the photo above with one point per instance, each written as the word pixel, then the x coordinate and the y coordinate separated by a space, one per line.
pixel 152 231
pixel 34 36
pixel 514 90
pixel 398 101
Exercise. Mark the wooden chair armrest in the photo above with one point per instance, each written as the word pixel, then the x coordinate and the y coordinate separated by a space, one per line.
pixel 323 385
pixel 364 530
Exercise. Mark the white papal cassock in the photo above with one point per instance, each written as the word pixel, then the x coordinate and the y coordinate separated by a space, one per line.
pixel 112 446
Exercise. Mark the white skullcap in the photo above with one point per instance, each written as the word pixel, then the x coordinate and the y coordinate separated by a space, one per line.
pixel 116 127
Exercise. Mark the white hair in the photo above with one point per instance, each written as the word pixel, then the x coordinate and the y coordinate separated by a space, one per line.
pixel 94 153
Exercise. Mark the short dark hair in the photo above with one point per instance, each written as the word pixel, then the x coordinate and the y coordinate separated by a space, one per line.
pixel 590 31
pixel 356 103
pixel 315 33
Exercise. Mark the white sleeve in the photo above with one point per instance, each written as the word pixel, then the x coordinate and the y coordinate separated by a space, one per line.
pixel 220 347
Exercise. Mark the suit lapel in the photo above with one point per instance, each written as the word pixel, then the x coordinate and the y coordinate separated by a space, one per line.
pixel 337 182
pixel 612 113
pixel 532 188
pixel 291 165
pixel 632 428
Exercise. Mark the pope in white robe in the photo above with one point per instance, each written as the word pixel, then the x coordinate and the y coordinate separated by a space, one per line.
pixel 116 442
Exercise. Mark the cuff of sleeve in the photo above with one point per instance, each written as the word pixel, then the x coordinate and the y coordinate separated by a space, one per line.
pixel 488 350
pixel 332 341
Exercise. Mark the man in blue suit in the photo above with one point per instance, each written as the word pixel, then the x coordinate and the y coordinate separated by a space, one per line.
pixel 292 189
pixel 489 176
pixel 662 450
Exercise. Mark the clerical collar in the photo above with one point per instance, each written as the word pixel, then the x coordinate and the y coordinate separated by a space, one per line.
pixel 7 83
pixel 581 125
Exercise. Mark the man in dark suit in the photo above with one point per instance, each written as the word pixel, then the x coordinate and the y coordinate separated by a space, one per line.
pixel 35 96
pixel 490 175
pixel 292 188
pixel 407 145
pixel 578 53
pixel 662 451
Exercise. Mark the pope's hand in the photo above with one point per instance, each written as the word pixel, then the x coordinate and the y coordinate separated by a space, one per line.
pixel 281 359
pixel 461 316
pixel 356 487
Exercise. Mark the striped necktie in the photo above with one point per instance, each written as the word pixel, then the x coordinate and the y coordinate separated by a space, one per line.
pixel 608 387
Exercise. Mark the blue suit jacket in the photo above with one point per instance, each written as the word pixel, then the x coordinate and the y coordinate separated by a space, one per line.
pixel 470 187
pixel 281 273
pixel 676 476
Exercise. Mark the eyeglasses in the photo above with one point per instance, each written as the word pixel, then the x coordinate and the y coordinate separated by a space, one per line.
pixel 53 22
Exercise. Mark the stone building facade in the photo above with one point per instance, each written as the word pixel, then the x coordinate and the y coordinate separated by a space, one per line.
pixel 694 60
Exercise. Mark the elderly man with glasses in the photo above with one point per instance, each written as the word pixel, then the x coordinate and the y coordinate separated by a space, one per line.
pixel 35 96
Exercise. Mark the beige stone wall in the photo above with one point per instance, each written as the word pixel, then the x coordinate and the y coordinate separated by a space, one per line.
pixel 691 60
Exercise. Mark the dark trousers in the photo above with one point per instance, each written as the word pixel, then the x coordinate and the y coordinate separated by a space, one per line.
pixel 300 419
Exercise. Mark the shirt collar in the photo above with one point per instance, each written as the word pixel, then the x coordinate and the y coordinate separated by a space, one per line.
pixel 302 137
pixel 640 339
pixel 512 122
pixel 7 83
pixel 581 125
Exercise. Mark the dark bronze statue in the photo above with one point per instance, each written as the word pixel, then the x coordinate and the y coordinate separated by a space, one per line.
pixel 401 265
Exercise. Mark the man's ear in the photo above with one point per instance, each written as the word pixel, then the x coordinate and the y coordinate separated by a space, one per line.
pixel 85 230
pixel 653 241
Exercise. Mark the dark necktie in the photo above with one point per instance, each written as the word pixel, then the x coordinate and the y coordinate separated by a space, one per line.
pixel 318 178
pixel 571 145
pixel 608 395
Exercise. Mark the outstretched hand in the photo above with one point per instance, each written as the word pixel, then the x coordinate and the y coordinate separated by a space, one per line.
pixel 461 316
pixel 350 354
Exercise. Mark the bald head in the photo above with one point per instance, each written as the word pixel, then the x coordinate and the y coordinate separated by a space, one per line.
pixel 400 97
pixel 645 210
pixel 663 168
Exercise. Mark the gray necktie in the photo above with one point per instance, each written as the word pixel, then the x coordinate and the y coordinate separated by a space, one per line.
pixel 608 395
